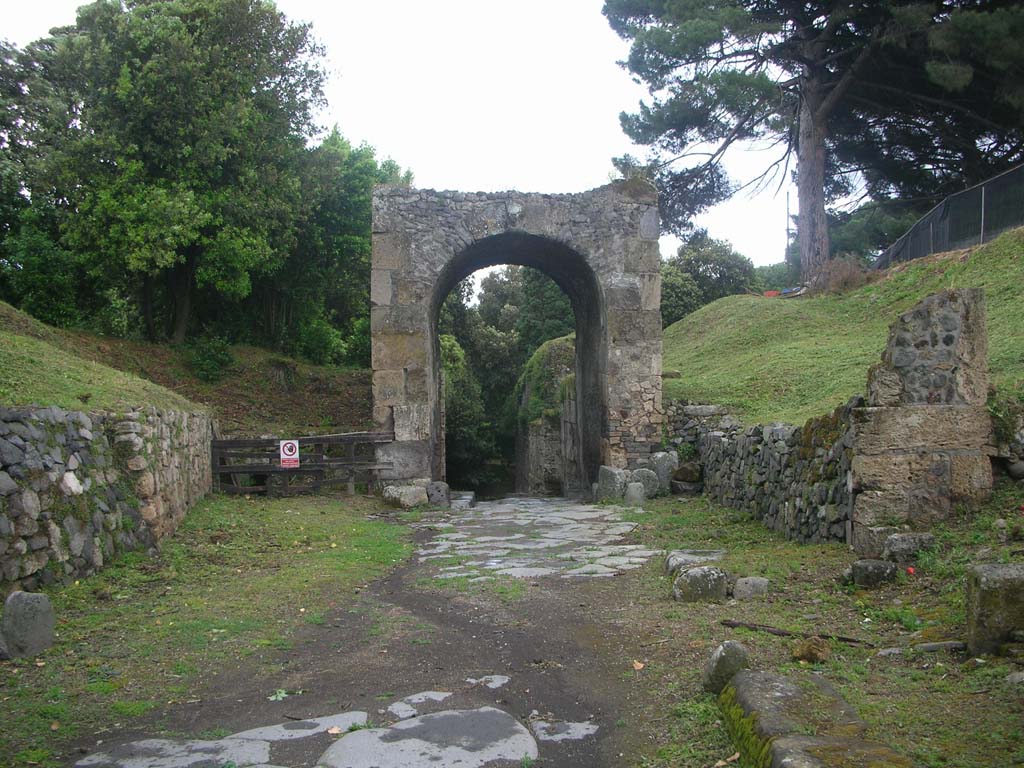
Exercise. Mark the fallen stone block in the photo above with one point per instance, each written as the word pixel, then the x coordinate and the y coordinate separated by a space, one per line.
pixel 28 624
pixel 726 660
pixel 873 573
pixel 649 479
pixel 611 484
pixel 634 496
pixel 701 584
pixel 664 463
pixel 405 496
pixel 903 548
pixel 688 472
pixel 750 588
pixel 439 494
pixel 995 606
pixel 833 752
pixel 680 559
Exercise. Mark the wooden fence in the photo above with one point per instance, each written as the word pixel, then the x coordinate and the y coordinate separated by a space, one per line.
pixel 325 461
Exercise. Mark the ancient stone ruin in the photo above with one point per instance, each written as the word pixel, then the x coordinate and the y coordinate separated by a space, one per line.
pixel 600 247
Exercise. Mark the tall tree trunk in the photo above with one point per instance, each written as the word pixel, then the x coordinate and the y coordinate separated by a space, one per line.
pixel 184 276
pixel 811 222
pixel 147 307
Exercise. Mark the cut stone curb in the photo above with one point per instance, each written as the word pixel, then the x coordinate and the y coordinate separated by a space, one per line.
pixel 726 660
pixel 785 722
pixel 454 738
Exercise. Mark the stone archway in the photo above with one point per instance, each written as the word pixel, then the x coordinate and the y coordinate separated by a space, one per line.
pixel 600 247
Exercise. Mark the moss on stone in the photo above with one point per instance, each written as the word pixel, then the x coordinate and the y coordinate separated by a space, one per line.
pixel 543 380
pixel 755 752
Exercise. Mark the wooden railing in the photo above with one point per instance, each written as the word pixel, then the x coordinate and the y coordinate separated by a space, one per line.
pixel 325 461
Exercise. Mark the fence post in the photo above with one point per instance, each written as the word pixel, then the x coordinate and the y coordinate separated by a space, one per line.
pixel 982 215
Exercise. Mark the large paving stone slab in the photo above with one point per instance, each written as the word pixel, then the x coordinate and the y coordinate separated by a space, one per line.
pixel 166 753
pixel 301 729
pixel 473 738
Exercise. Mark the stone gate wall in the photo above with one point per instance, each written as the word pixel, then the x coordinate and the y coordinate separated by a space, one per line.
pixel 900 458
pixel 600 247
pixel 76 488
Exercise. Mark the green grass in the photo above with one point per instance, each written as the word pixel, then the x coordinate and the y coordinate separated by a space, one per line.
pixel 238 579
pixel 925 705
pixel 791 359
pixel 33 371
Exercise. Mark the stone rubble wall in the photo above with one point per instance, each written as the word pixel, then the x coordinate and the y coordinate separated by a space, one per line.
pixel 920 443
pixel 77 488
pixel 793 479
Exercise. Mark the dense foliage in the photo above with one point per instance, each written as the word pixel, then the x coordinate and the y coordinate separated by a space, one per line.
pixel 901 98
pixel 703 270
pixel 516 311
pixel 157 179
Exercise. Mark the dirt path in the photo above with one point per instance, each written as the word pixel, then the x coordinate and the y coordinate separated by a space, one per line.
pixel 491 647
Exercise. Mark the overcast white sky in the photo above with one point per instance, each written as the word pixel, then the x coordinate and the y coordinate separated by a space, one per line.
pixel 481 95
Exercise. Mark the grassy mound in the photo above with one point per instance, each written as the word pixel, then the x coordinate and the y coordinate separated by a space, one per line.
pixel 791 359
pixel 34 370
pixel 261 392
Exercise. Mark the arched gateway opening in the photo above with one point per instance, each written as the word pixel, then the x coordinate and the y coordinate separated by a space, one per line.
pixel 600 247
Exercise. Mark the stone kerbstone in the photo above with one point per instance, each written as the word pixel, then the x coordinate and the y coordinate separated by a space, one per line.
pixel 873 573
pixel 903 548
pixel 405 496
pixel 634 496
pixel 801 751
pixel 28 624
pixel 439 494
pixel 995 606
pixel 726 660
pixel 750 588
pixel 701 584
pixel 611 483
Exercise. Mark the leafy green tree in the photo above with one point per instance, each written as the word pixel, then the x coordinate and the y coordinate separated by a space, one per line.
pixel 467 443
pixel 188 118
pixel 501 298
pixel 545 312
pixel 715 267
pixel 680 294
pixel 855 89
pixel 775 277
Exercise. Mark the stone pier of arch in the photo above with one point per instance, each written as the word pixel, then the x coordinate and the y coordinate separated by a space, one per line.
pixel 600 247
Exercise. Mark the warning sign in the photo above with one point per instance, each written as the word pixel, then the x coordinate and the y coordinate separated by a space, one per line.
pixel 289 454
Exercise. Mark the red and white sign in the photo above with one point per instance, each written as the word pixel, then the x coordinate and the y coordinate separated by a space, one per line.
pixel 289 454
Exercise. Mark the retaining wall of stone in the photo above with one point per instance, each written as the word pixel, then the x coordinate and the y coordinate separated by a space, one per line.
pixel 76 488
pixel 794 479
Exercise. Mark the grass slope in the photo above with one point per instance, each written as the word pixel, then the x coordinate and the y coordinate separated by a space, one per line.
pixel 789 360
pixel 33 370
pixel 261 393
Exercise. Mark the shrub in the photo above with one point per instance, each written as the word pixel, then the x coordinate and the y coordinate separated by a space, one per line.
pixel 321 343
pixel 210 357
pixel 844 273
pixel 118 316
pixel 359 343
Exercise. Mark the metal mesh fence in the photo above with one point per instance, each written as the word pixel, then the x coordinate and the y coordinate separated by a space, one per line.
pixel 967 218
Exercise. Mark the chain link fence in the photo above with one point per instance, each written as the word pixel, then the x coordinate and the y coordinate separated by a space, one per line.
pixel 967 218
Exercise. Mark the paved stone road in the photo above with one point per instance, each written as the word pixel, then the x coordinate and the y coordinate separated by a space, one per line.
pixel 518 538
pixel 529 538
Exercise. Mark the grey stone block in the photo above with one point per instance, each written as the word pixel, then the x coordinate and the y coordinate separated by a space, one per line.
pixel 28 624
pixel 726 660
pixel 680 559
pixel 995 606
pixel 649 479
pixel 750 588
pixel 702 584
pixel 439 494
pixel 611 483
pixel 873 573
pixel 903 548
pixel 405 496
pixel 634 496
